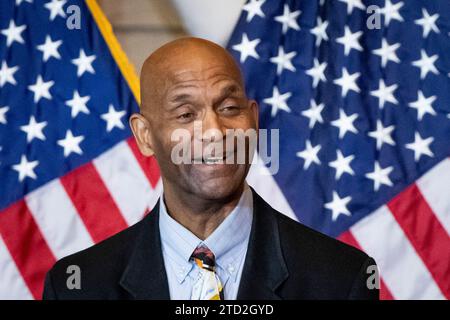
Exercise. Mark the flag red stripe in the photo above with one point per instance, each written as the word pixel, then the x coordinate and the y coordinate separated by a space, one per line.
pixel 425 233
pixel 93 202
pixel 148 164
pixel 26 245
pixel 349 239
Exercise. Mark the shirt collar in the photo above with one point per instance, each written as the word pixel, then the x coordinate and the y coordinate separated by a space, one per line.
pixel 178 243
pixel 228 242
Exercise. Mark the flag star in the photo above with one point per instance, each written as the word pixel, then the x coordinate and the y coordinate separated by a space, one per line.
pixel 385 94
pixel 247 48
pixel 78 104
pixel 84 63
pixel 253 8
pixel 313 113
pixel 278 101
pixel 426 64
pixel 420 146
pixel 7 74
pixel 338 206
pixel 391 12
pixel 3 111
pixel 56 8
pixel 428 22
pixel 345 123
pixel 423 105
pixel 13 33
pixel 320 31
pixel 283 60
pixel 387 52
pixel 25 168
pixel 382 135
pixel 350 40
pixel 113 118
pixel 71 143
pixel 288 19
pixel 18 2
pixel 348 82
pixel 41 89
pixel 342 164
pixel 380 176
pixel 34 129
pixel 317 72
pixel 352 4
pixel 50 48
pixel 309 154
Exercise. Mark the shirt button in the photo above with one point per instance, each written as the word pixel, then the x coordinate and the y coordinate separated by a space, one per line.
pixel 230 269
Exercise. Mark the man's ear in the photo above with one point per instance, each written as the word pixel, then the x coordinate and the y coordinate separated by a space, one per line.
pixel 255 109
pixel 141 131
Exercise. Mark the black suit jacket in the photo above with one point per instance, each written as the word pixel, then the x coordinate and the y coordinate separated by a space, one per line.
pixel 285 260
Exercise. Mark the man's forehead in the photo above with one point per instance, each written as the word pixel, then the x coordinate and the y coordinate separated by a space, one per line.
pixel 187 62
pixel 210 76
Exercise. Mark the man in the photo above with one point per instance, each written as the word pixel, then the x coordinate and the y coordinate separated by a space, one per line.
pixel 210 236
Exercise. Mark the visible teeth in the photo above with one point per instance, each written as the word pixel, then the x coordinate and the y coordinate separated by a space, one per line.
pixel 213 160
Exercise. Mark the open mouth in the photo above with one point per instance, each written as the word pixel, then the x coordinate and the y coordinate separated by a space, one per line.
pixel 213 160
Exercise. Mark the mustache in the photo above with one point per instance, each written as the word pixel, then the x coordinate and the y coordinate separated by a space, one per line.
pixel 213 149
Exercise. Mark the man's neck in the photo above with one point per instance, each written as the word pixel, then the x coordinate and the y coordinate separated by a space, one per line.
pixel 200 216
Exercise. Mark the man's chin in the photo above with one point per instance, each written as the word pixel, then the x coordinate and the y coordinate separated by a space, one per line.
pixel 218 188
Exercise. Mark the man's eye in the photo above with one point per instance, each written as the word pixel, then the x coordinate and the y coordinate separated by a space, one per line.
pixel 186 116
pixel 230 109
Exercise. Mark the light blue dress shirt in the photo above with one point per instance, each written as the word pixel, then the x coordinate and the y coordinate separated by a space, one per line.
pixel 228 242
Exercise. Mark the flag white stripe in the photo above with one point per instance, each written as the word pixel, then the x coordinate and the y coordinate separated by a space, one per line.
pixel 58 220
pixel 435 187
pixel 262 181
pixel 401 268
pixel 126 182
pixel 12 286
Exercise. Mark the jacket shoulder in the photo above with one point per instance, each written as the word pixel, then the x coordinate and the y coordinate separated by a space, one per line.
pixel 330 268
pixel 301 236
pixel 100 267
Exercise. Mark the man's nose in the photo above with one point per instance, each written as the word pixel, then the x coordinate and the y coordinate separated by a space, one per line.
pixel 212 127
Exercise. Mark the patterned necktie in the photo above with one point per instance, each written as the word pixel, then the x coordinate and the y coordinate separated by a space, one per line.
pixel 208 285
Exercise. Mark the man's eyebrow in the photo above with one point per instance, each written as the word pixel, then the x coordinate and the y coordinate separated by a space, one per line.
pixel 180 97
pixel 230 89
pixel 179 94
pixel 226 92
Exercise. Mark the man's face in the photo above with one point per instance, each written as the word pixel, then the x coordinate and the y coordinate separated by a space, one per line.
pixel 209 95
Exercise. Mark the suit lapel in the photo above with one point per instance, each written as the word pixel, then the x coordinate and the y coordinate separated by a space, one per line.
pixel 264 269
pixel 145 275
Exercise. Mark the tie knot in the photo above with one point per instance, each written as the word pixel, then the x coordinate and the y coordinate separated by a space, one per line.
pixel 204 258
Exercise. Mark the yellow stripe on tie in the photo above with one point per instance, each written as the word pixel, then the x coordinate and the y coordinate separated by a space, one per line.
pixel 116 50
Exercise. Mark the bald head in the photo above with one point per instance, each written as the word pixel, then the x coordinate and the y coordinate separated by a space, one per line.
pixel 184 84
pixel 178 61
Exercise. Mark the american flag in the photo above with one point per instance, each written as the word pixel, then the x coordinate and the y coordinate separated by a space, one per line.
pixel 360 93
pixel 70 175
